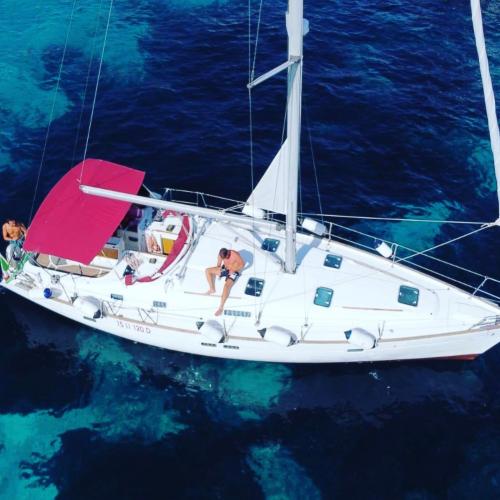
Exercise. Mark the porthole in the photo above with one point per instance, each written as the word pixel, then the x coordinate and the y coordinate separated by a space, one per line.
pixel 408 295
pixel 254 287
pixel 323 296
pixel 333 261
pixel 270 245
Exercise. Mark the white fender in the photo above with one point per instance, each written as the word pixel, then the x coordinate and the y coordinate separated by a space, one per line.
pixel 361 338
pixel 251 211
pixel 313 226
pixel 383 249
pixel 88 306
pixel 278 335
pixel 212 330
pixel 44 293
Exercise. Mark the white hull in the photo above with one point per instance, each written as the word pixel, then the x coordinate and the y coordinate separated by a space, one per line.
pixel 462 344
pixel 447 322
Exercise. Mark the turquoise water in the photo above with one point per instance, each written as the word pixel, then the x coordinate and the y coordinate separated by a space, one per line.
pixel 393 100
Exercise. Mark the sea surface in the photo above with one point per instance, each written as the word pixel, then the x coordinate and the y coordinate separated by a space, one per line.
pixel 394 125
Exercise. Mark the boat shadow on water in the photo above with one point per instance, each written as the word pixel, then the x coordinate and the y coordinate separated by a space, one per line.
pixel 97 396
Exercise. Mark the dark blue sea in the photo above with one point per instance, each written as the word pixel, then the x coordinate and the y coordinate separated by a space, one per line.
pixel 394 108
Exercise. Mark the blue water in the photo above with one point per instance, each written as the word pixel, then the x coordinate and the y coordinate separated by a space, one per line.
pixel 393 100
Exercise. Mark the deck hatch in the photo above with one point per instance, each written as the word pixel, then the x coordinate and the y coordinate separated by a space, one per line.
pixel 159 303
pixel 116 296
pixel 323 296
pixel 254 287
pixel 270 245
pixel 333 261
pixel 408 295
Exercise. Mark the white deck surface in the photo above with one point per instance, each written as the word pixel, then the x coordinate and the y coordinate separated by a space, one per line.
pixel 366 289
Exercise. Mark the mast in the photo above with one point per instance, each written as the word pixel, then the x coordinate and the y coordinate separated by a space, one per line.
pixel 489 94
pixel 295 27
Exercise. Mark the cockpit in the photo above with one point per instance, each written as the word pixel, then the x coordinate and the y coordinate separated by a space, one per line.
pixel 149 241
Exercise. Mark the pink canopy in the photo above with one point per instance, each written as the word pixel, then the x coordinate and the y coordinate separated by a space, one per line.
pixel 74 225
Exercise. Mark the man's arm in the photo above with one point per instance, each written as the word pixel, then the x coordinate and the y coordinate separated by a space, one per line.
pixel 23 229
pixel 5 234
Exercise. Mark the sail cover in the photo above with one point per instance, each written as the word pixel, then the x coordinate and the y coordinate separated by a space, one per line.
pixel 489 96
pixel 270 193
pixel 74 225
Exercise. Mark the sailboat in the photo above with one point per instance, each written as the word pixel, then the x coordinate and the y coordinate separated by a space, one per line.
pixel 132 263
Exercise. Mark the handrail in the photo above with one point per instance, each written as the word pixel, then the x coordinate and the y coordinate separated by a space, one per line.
pixel 230 205
pixel 477 289
pixel 488 321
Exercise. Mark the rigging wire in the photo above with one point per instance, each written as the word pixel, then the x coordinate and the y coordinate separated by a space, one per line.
pixel 54 99
pixel 482 228
pixel 374 273
pixel 269 231
pixel 250 90
pixel 250 119
pixel 26 58
pixel 257 32
pixel 251 72
pixel 250 124
pixel 308 127
pixel 95 90
pixel 436 259
pixel 77 135
pixel 396 219
pixel 304 275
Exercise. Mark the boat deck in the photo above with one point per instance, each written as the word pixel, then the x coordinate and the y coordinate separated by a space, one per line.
pixel 68 266
pixel 318 303
pixel 365 290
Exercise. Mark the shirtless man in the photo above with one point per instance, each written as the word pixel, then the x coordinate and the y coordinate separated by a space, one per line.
pixel 229 266
pixel 13 232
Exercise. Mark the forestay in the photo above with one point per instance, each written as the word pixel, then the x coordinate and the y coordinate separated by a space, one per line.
pixel 489 96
